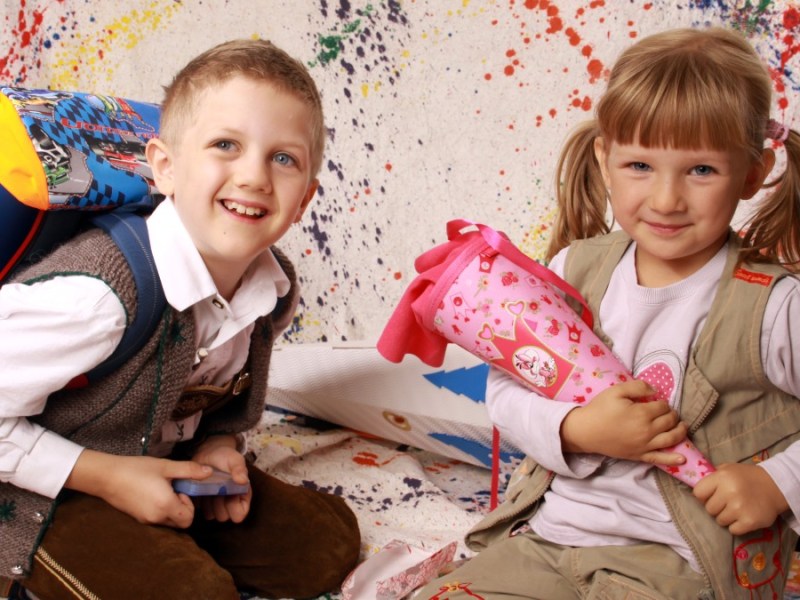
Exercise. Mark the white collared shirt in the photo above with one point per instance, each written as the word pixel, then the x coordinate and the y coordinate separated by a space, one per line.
pixel 53 330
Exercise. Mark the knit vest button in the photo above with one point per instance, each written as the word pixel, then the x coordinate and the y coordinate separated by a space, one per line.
pixel 39 516
pixel 17 570
pixel 143 441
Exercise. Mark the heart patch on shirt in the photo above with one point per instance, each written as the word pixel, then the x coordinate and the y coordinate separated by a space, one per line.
pixel 661 379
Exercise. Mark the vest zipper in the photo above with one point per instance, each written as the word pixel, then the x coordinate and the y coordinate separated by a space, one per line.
pixel 692 547
pixel 510 516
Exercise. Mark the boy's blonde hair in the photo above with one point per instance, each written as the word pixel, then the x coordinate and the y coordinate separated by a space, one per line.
pixel 684 88
pixel 259 60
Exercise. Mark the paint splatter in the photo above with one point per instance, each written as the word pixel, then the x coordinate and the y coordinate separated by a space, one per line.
pixel 435 110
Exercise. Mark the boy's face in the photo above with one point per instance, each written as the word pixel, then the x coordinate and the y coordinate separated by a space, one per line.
pixel 240 173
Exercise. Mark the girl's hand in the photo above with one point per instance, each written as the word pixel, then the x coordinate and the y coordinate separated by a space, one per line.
pixel 140 486
pixel 220 452
pixel 616 423
pixel 743 498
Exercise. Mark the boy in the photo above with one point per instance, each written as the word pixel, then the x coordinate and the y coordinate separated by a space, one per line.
pixel 241 142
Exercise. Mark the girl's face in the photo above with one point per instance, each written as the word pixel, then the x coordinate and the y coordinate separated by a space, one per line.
pixel 677 204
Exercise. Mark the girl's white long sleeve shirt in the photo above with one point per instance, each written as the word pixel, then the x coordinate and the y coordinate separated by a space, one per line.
pixel 595 500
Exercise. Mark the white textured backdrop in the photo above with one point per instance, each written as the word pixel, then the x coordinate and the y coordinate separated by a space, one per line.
pixel 436 108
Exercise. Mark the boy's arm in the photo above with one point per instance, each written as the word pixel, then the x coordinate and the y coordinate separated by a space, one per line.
pixel 140 486
pixel 33 458
pixel 50 332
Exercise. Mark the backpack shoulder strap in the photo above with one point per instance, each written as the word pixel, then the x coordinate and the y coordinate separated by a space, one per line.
pixel 129 232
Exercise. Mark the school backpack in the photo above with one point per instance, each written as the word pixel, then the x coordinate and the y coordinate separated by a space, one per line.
pixel 73 160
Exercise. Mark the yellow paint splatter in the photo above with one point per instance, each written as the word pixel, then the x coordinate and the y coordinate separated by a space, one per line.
pixel 85 57
pixel 536 239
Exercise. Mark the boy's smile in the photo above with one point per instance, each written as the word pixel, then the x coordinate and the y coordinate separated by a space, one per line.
pixel 240 173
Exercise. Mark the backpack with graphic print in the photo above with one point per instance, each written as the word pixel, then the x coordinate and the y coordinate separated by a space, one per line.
pixel 70 161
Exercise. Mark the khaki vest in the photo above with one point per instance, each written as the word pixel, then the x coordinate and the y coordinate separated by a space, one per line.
pixel 734 415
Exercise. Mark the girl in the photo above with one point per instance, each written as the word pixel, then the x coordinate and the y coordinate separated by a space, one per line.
pixel 708 319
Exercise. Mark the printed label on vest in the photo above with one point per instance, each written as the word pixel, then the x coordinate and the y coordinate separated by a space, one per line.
pixel 751 277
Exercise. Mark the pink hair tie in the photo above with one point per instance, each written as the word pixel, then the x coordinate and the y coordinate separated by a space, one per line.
pixel 777 131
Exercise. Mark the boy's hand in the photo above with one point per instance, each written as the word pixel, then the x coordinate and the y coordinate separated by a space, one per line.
pixel 140 486
pixel 615 424
pixel 220 452
pixel 743 498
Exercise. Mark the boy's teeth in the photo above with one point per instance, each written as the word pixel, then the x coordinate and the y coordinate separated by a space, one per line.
pixel 243 210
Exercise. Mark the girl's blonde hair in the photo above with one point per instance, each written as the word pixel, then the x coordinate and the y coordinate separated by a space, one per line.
pixel 684 88
pixel 260 60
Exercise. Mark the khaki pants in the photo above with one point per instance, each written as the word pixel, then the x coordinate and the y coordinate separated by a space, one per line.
pixel 295 543
pixel 527 567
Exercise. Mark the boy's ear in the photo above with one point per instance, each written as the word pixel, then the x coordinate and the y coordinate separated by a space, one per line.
pixel 759 170
pixel 160 160
pixel 601 155
pixel 312 189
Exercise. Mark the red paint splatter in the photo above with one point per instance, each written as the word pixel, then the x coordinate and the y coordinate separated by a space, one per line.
pixel 509 70
pixel 27 44
pixel 595 69
pixel 791 21
pixel 791 18
pixel 398 275
pixel 574 38
pixel 367 459
pixel 388 167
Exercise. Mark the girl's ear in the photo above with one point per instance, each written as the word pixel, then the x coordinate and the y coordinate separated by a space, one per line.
pixel 601 155
pixel 160 160
pixel 758 172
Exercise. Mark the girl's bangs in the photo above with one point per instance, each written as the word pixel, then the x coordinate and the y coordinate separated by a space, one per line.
pixel 674 106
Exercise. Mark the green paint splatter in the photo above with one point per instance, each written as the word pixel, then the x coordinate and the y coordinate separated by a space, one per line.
pixel 332 45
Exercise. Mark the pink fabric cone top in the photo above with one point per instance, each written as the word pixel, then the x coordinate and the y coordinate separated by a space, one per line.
pixel 482 293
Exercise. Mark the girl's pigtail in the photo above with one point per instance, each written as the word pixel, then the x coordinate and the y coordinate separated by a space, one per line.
pixel 580 191
pixel 773 233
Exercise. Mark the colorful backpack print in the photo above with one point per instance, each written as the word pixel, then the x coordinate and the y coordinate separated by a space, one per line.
pixel 73 160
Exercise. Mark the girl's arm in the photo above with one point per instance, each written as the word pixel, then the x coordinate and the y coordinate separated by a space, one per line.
pixel 533 424
pixel 747 497
pixel 571 439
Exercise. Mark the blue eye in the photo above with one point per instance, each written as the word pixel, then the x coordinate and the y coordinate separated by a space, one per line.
pixel 640 166
pixel 224 145
pixel 283 159
pixel 702 170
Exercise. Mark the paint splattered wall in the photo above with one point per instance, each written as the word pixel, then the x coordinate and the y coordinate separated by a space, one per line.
pixel 436 108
